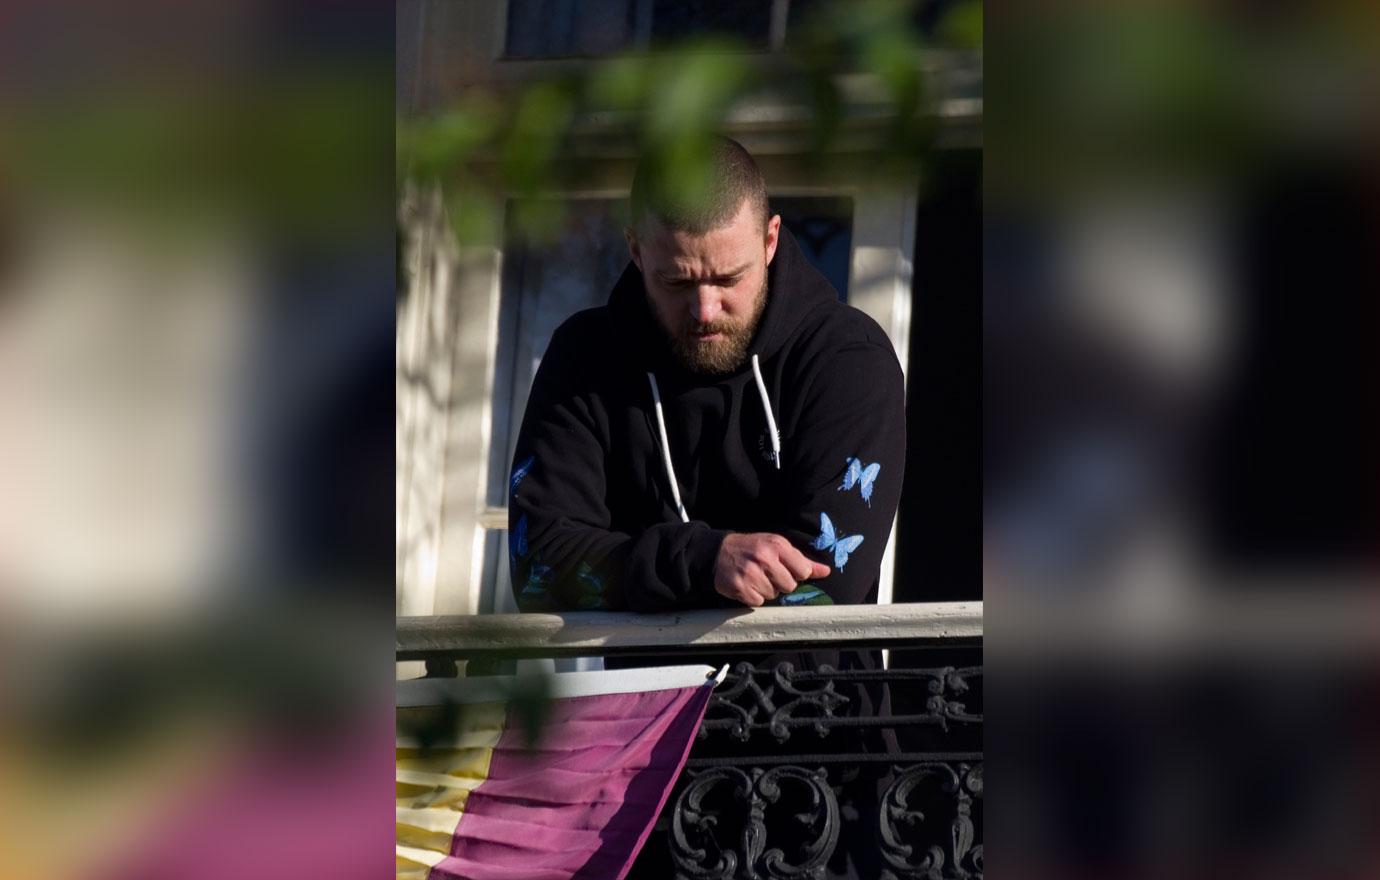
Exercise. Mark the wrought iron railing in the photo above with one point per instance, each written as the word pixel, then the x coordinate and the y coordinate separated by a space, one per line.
pixel 802 769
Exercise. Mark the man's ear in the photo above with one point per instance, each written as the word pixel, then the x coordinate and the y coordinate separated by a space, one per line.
pixel 634 251
pixel 773 236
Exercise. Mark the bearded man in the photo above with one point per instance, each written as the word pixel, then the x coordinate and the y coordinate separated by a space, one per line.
pixel 724 432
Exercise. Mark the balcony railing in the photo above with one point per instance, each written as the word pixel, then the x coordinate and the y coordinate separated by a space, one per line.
pixel 801 769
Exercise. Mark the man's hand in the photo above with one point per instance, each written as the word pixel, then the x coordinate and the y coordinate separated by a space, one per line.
pixel 757 567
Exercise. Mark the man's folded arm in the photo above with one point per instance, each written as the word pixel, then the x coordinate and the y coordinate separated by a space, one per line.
pixel 844 466
pixel 563 552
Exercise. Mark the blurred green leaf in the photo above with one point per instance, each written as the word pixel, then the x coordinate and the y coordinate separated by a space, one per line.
pixel 538 220
pixel 473 214
pixel 891 58
pixel 506 151
pixel 697 88
pixel 620 84
pixel 436 146
pixel 533 143
pixel 530 703
pixel 961 27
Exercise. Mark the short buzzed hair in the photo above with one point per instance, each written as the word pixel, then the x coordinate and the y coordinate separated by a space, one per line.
pixel 729 176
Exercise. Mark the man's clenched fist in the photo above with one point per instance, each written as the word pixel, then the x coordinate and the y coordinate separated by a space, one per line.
pixel 756 567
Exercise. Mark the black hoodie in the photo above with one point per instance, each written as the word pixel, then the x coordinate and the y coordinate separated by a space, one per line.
pixel 593 522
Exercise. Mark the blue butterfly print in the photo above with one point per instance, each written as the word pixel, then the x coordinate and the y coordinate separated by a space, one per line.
pixel 842 545
pixel 534 592
pixel 806 594
pixel 856 474
pixel 517 539
pixel 519 472
pixel 591 586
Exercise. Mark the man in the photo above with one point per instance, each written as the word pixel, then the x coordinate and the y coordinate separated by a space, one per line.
pixel 723 432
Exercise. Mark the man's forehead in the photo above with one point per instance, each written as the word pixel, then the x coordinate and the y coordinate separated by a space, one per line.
pixel 685 265
pixel 719 250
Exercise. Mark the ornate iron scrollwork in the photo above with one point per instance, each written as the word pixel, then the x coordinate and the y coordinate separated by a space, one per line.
pixel 700 854
pixel 746 705
pixel 943 854
pixel 749 809
pixel 782 699
pixel 945 684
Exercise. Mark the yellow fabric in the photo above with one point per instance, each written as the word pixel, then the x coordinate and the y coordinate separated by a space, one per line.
pixel 413 863
pixel 441 758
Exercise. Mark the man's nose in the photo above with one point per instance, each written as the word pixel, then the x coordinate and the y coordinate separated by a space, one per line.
pixel 707 305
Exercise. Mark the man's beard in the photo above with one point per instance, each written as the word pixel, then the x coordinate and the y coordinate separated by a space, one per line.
pixel 722 356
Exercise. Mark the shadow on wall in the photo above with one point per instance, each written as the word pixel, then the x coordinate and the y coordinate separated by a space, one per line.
pixel 442 334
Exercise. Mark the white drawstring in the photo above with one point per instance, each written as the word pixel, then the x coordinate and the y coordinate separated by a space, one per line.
pixel 666 450
pixel 766 407
pixel 666 443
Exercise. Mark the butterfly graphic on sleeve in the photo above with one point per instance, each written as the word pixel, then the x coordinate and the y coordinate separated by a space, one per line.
pixel 591 589
pixel 519 472
pixel 536 591
pixel 806 594
pixel 858 475
pixel 842 545
pixel 517 539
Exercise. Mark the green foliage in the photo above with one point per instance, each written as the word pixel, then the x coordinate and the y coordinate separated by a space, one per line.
pixel 530 703
pixel 528 698
pixel 534 139
pixel 451 137
pixel 962 27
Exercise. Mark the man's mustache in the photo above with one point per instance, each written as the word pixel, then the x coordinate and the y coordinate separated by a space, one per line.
pixel 725 327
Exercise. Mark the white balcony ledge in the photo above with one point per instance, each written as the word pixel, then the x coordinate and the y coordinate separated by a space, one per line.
pixel 601 633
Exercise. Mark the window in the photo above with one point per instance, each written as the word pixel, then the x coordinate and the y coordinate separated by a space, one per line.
pixel 547 28
pixel 823 227
pixel 748 20
pixel 554 28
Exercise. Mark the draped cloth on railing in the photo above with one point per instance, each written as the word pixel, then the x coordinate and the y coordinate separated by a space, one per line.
pixel 477 800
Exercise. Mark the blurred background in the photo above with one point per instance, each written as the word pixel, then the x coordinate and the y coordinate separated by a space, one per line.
pixel 201 235
pixel 1181 489
pixel 196 334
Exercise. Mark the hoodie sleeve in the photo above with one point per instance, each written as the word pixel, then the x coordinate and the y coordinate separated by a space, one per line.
pixel 843 467
pixel 564 553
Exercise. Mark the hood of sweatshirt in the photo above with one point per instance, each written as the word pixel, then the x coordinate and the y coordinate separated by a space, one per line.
pixel 795 289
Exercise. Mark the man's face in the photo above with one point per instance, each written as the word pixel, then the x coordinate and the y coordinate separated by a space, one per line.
pixel 707 292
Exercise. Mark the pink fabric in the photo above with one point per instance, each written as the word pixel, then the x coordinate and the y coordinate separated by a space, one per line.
pixel 580 806
pixel 279 810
